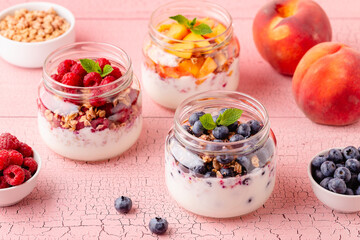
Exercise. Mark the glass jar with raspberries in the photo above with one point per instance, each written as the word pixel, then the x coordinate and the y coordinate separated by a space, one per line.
pixel 191 47
pixel 89 102
pixel 220 155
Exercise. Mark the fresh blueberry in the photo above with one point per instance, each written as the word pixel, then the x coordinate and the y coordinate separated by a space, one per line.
pixel 158 225
pixel 353 183
pixel 210 174
pixel 244 130
pixel 339 165
pixel 227 172
pixel 327 168
pixel 335 155
pixel 337 185
pixel 200 169
pixel 223 110
pixel 233 127
pixel 254 126
pixel 349 191
pixel 215 117
pixel 318 160
pixel 324 183
pixel 357 191
pixel 123 204
pixel 187 128
pixel 358 177
pixel 343 173
pixel 221 132
pixel 350 152
pixel 213 147
pixel 318 175
pixel 244 161
pixel 224 159
pixel 353 165
pixel 198 129
pixel 195 117
pixel 236 137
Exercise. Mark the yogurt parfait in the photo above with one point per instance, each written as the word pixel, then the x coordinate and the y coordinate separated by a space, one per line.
pixel 220 155
pixel 89 102
pixel 190 48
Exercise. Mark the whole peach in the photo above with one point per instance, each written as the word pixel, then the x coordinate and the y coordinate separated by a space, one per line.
pixel 284 30
pixel 326 84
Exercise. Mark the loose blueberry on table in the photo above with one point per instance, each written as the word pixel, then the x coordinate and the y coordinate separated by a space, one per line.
pixel 158 225
pixel 338 170
pixel 222 127
pixel 123 204
pixel 16 161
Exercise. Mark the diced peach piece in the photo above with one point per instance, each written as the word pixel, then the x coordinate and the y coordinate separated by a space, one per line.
pixel 208 67
pixel 220 59
pixel 164 27
pixel 216 31
pixel 207 21
pixel 191 65
pixel 183 50
pixel 177 31
pixel 196 37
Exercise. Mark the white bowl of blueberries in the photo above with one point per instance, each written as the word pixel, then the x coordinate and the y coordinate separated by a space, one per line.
pixel 335 178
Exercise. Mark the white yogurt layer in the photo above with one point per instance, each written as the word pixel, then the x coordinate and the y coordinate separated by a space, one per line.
pixel 170 92
pixel 86 145
pixel 216 197
pixel 161 57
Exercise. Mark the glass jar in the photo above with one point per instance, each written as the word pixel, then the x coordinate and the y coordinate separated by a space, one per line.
pixel 215 195
pixel 89 123
pixel 178 63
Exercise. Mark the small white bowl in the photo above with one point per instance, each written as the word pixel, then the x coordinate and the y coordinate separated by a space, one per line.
pixel 338 202
pixel 33 54
pixel 12 195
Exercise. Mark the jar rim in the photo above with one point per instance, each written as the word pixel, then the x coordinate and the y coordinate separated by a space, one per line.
pixel 232 147
pixel 156 35
pixel 126 77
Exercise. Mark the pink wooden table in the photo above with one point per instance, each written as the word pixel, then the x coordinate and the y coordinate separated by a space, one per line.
pixel 74 200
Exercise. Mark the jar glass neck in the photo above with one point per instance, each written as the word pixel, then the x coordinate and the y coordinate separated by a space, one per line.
pixel 213 101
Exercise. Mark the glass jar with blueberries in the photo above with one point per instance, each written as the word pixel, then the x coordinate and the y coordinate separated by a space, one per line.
pixel 220 155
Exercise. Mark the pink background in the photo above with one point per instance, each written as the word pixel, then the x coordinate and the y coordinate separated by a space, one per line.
pixel 74 200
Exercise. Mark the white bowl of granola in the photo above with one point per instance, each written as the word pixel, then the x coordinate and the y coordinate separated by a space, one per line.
pixel 29 32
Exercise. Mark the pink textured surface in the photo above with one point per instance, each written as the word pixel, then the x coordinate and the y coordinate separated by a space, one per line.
pixel 74 200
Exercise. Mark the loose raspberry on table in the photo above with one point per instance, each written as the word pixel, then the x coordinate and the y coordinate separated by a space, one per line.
pixel 15 158
pixel 4 159
pixel 8 141
pixel 30 164
pixel 92 79
pixel 3 183
pixel 102 62
pixel 28 175
pixel 71 79
pixel 107 80
pixel 65 66
pixel 25 150
pixel 57 77
pixel 14 175
pixel 116 73
pixel 78 70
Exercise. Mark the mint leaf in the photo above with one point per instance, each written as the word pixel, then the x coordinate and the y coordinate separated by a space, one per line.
pixel 192 24
pixel 181 20
pixel 107 70
pixel 230 116
pixel 207 121
pixel 90 65
pixel 201 29
pixel 219 119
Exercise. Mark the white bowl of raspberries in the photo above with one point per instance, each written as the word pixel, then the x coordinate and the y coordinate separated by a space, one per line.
pixel 19 169
pixel 335 178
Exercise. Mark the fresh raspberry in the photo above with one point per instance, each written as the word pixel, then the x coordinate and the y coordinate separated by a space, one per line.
pixel 100 124
pixel 78 70
pixel 3 183
pixel 14 175
pixel 107 80
pixel 8 141
pixel 65 66
pixel 15 158
pixel 92 79
pixel 79 125
pixel 57 77
pixel 102 62
pixel 30 164
pixel 116 73
pixel 71 79
pixel 97 101
pixel 27 175
pixel 4 159
pixel 25 150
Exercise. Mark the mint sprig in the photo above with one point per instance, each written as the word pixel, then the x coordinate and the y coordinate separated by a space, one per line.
pixel 200 29
pixel 228 117
pixel 91 66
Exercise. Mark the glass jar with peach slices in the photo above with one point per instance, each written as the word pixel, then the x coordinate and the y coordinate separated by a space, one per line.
pixel 190 48
pixel 89 102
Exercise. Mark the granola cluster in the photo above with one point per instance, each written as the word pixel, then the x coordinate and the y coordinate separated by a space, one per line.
pixel 33 26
